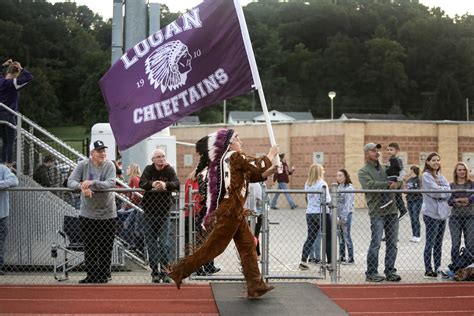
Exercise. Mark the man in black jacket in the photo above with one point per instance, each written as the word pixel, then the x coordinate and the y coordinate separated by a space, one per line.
pixel 159 180
pixel 42 173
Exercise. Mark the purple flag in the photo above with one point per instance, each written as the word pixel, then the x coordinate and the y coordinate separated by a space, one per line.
pixel 193 62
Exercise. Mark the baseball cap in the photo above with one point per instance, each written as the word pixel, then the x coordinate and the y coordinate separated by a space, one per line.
pixel 371 146
pixel 98 144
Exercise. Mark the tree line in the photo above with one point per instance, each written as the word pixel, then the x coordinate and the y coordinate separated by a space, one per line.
pixel 379 56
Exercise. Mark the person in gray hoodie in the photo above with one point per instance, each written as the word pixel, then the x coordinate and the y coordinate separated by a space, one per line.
pixel 435 210
pixel 97 212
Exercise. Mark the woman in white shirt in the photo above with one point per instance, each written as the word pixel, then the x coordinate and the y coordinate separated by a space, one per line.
pixel 315 182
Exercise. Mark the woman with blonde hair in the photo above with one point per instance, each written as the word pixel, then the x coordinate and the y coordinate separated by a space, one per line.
pixel 462 213
pixel 315 182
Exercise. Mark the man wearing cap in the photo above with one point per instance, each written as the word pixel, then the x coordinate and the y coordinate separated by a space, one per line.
pixel 372 176
pixel 97 213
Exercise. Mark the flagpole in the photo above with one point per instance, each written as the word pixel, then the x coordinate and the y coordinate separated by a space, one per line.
pixel 254 69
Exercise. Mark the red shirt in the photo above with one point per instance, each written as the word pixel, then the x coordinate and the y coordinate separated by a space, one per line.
pixel 196 197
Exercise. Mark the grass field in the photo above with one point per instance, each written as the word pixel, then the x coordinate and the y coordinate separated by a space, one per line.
pixel 72 135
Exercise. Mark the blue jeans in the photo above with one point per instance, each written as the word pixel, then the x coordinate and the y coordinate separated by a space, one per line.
pixel 313 222
pixel 316 251
pixel 414 208
pixel 3 237
pixel 8 138
pixel 283 186
pixel 378 225
pixel 345 239
pixel 459 225
pixel 157 228
pixel 434 242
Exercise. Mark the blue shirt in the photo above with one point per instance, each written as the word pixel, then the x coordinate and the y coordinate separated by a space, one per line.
pixel 7 180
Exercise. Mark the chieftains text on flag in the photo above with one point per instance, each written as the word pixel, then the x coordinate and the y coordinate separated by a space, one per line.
pixel 182 100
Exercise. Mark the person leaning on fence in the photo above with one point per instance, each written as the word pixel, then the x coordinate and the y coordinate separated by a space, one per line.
pixel 283 179
pixel 159 180
pixel 7 180
pixel 345 209
pixel 42 174
pixel 435 210
pixel 315 182
pixel 225 209
pixel 13 77
pixel 98 213
pixel 372 176
pixel 414 201
pixel 461 221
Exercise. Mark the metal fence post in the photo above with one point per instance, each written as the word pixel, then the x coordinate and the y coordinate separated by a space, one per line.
pixel 18 145
pixel 334 234
pixel 324 230
pixel 265 247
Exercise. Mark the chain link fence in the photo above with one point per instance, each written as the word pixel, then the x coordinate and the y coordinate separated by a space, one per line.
pixel 45 240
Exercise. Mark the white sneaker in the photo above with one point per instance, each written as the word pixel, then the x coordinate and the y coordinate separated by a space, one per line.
pixel 303 266
pixel 415 239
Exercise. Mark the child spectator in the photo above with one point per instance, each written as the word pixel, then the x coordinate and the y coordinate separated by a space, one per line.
pixel 345 208
pixel 414 201
pixel 395 173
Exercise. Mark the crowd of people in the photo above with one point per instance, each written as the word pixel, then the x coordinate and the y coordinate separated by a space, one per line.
pixel 227 184
pixel 386 209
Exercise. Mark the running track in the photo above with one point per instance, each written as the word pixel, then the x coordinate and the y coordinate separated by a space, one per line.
pixel 380 299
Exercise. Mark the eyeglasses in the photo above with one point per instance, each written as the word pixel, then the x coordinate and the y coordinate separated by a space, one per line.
pixel 161 156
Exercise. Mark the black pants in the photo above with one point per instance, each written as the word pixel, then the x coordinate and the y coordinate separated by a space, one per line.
pixel 8 138
pixel 98 238
pixel 258 227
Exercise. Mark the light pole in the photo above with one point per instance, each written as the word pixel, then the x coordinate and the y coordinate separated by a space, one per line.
pixel 331 96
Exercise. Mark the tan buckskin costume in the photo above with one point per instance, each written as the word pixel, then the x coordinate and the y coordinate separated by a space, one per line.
pixel 235 172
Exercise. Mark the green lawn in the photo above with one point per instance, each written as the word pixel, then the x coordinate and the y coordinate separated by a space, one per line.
pixel 73 135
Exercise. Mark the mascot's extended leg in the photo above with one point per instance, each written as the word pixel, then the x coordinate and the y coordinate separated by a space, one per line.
pixel 216 243
pixel 245 243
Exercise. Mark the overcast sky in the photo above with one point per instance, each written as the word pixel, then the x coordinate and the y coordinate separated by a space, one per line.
pixel 104 7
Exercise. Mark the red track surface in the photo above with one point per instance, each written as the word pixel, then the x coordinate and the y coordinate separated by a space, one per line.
pixel 108 299
pixel 381 299
pixel 404 299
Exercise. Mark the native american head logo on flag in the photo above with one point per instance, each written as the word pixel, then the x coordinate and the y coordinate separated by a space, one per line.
pixel 168 66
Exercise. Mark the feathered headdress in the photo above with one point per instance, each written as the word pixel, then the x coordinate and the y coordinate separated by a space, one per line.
pixel 212 149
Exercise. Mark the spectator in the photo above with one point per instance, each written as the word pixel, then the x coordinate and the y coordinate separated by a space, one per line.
pixel 283 179
pixel 16 77
pixel 7 180
pixel 414 201
pixel 372 176
pixel 42 174
pixel 221 153
pixel 255 204
pixel 396 173
pixel 435 211
pixel 133 224
pixel 315 182
pixel 345 208
pixel 461 221
pixel 159 180
pixel 98 213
